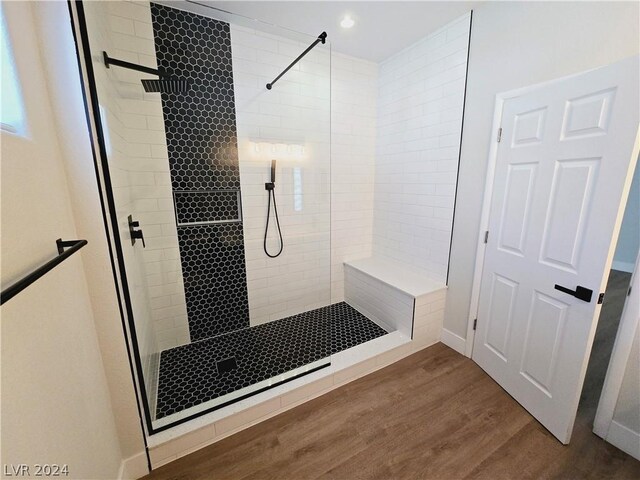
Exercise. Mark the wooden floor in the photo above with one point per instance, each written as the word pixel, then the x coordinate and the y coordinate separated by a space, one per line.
pixel 435 414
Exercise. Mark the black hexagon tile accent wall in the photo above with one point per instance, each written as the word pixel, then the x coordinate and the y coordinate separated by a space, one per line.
pixel 214 278
pixel 200 127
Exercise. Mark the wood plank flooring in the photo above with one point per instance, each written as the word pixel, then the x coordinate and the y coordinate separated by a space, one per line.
pixel 433 415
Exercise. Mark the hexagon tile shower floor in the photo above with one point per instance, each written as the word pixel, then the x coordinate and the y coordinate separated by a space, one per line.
pixel 201 371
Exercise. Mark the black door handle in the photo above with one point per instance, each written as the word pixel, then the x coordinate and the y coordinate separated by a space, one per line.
pixel 581 293
pixel 135 234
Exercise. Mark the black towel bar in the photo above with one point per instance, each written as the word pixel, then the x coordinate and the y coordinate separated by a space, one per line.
pixel 72 245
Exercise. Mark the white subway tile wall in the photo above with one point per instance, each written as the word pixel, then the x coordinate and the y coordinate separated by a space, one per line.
pixel 386 305
pixel 354 89
pixel 289 124
pixel 420 104
pixel 100 26
pixel 140 172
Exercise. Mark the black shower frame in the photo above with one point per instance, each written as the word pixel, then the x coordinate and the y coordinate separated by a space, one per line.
pixel 100 159
pixel 76 30
pixel 464 108
pixel 322 38
pixel 109 216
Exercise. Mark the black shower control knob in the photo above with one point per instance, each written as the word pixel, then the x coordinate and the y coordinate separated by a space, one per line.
pixel 139 235
pixel 135 234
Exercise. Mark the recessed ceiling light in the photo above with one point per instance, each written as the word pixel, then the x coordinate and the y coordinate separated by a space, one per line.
pixel 347 22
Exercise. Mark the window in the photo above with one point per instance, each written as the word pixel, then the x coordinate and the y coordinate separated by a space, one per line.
pixel 11 107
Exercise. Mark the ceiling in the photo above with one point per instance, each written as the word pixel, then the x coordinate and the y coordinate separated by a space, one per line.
pixel 381 28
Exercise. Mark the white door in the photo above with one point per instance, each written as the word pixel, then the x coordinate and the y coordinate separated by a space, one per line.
pixel 564 165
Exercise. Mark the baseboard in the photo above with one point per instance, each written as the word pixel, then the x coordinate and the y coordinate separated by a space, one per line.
pixel 625 439
pixel 454 341
pixel 134 467
pixel 623 266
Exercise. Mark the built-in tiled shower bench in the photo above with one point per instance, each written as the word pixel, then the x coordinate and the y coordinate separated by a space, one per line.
pixel 396 297
pixel 410 307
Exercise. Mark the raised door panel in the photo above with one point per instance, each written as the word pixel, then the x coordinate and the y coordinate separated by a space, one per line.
pixel 545 327
pixel 516 208
pixel 567 212
pixel 500 315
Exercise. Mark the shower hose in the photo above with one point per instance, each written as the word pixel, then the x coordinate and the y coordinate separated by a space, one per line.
pixel 271 192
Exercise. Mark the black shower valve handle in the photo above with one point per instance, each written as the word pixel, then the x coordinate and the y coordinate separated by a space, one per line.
pixel 135 234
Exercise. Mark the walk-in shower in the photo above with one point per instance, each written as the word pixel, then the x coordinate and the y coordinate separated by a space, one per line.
pixel 217 309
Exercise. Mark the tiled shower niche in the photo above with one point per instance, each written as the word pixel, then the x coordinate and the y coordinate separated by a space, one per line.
pixel 205 207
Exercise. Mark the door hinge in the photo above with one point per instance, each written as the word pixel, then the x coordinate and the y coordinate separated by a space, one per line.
pixel 486 236
pixel 499 136
pixel 600 298
pixel 629 292
pixel 475 323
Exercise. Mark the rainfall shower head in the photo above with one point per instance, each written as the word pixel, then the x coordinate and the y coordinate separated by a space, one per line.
pixel 164 84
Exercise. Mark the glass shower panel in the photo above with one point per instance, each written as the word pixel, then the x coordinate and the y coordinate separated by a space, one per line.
pixel 283 132
pixel 222 194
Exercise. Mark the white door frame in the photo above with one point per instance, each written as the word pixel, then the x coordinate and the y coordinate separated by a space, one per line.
pixel 619 358
pixel 501 98
pixel 484 217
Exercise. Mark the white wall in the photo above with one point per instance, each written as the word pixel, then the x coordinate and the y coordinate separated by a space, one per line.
pixel 421 95
pixel 629 240
pixel 514 45
pixel 56 404
pixel 295 113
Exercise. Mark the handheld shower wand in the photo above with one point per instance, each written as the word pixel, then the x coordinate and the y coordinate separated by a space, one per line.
pixel 270 188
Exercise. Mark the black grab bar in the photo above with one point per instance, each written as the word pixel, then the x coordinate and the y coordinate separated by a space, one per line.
pixel 321 38
pixel 72 245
